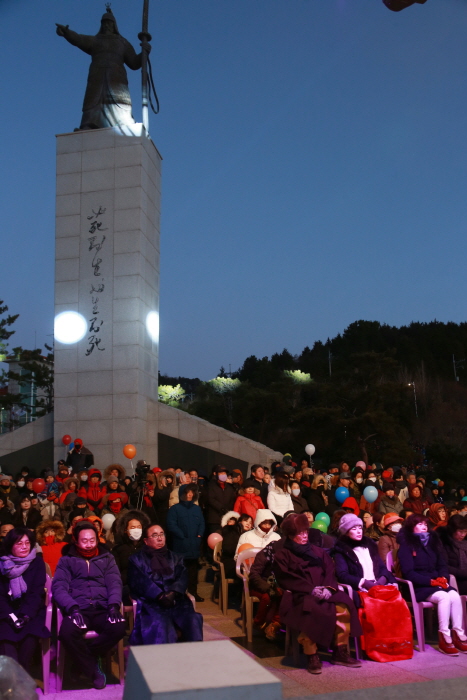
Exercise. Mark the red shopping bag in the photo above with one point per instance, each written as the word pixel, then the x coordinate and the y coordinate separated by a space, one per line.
pixel 386 624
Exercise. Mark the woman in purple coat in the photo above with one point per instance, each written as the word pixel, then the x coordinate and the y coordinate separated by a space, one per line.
pixel 22 606
pixel 312 602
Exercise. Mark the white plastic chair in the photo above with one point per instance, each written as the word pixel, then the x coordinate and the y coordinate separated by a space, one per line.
pixel 453 583
pixel 223 581
pixel 417 608
pixel 242 569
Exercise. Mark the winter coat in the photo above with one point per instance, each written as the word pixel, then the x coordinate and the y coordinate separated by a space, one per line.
pixel 256 537
pixel 416 505
pixel 348 567
pixel 279 502
pixel 260 486
pixel 453 557
pixel 315 500
pixel 420 564
pixel 118 467
pixel 51 552
pixel 149 576
pixel 31 604
pixel 261 569
pixel 185 522
pixel 388 543
pixel 298 576
pixel 219 500
pixel 122 553
pixel 248 503
pixel 390 505
pixel 84 459
pixel 33 520
pixel 92 582
pixel 299 504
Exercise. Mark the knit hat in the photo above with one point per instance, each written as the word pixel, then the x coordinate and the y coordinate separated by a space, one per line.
pixel 347 522
pixel 386 474
pixel 390 518
pixel 294 523
pixel 112 479
pixel 3 477
pixel 388 486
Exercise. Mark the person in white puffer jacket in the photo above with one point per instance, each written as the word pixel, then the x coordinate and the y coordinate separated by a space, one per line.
pixel 263 532
pixel 279 498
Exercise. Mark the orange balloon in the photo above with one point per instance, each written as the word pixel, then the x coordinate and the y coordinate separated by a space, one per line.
pixel 129 451
pixel 242 548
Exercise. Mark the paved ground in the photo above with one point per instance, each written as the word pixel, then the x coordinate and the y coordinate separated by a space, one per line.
pixel 296 682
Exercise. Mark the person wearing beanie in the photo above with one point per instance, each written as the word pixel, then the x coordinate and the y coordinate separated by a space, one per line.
pixel 312 602
pixel 389 503
pixel 357 560
pixel 423 562
pixel 391 523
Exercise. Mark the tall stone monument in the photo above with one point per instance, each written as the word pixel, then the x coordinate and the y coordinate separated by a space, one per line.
pixel 107 262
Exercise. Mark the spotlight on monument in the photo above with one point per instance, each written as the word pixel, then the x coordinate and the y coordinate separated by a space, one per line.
pixel 152 325
pixel 69 327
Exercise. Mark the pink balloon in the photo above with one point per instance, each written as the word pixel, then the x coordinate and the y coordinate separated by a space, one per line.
pixel 361 464
pixel 213 539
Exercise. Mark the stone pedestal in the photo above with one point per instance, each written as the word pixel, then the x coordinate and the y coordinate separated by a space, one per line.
pixel 107 269
pixel 212 671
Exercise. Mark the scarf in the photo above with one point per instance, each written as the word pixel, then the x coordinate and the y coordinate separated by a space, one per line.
pixel 115 507
pixel 424 537
pixel 160 563
pixel 304 551
pixel 13 568
pixel 87 554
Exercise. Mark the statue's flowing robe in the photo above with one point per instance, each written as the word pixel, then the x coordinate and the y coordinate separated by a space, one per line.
pixel 107 100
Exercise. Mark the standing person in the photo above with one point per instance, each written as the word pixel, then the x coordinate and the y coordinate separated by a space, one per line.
pixel 185 522
pixel 87 588
pixel 256 479
pixel 165 486
pixel 220 498
pixel 312 602
pixel 158 581
pixel 79 457
pixel 422 561
pixel 22 608
pixel 317 496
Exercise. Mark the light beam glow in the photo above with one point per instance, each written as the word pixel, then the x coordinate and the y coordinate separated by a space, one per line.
pixel 152 325
pixel 69 327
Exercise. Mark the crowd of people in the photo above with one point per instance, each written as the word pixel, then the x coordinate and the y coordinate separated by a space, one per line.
pixel 107 539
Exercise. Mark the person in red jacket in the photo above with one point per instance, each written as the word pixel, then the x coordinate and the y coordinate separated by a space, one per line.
pixel 415 502
pixel 92 492
pixel 50 535
pixel 71 486
pixel 248 501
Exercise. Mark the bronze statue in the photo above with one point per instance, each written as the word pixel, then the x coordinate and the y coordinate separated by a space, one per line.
pixel 107 101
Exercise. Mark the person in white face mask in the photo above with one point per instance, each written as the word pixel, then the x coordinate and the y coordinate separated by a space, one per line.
pixel 263 532
pixel 392 523
pixel 128 540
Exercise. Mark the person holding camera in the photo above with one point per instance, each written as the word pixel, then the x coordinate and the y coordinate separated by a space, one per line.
pixel 22 606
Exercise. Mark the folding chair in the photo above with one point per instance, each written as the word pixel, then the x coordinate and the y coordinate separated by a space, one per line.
pixel 417 608
pixel 46 643
pixel 242 569
pixel 223 581
pixel 89 635
pixel 453 583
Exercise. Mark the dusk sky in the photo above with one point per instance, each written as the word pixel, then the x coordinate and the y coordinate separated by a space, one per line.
pixel 314 172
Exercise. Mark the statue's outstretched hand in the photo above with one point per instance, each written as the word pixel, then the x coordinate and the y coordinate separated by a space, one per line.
pixel 61 29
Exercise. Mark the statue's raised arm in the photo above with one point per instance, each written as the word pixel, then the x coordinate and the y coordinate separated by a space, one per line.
pixel 107 101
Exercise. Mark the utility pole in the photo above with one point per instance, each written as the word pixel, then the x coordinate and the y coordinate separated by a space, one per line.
pixel 145 38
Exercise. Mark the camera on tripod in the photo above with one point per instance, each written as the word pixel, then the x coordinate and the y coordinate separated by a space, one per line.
pixel 141 472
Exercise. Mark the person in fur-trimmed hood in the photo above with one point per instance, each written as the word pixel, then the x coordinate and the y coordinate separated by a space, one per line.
pixel 115 470
pixel 70 486
pixel 357 559
pixel 50 535
pixel 263 532
pixel 248 501
pixel 115 503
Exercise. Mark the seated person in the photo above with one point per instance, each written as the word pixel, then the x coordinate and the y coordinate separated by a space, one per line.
pixel 87 588
pixel 50 535
pixel 26 515
pixel 423 562
pixel 158 580
pixel 128 537
pixel 263 532
pixel 312 602
pixel 453 538
pixel 22 606
pixel 357 560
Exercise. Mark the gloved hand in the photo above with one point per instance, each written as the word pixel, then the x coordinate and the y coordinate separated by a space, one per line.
pixel 321 593
pixel 167 600
pixel 440 581
pixel 76 617
pixel 368 584
pixel 114 614
pixel 20 621
pixel 381 581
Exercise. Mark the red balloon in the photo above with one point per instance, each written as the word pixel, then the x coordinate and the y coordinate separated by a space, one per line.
pixel 38 485
pixel 214 538
pixel 66 439
pixel 129 451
